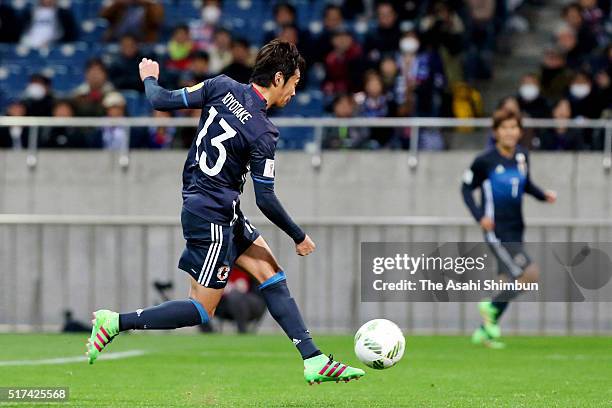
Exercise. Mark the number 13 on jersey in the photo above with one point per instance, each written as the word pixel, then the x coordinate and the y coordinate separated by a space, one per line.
pixel 216 142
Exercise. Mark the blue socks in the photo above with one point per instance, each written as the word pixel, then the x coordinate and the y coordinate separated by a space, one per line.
pixel 285 311
pixel 168 315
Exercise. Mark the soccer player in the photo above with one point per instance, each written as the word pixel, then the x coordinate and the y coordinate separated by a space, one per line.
pixel 502 175
pixel 234 137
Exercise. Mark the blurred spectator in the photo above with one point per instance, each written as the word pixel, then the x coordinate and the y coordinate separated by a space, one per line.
pixel 467 103
pixel 64 137
pixel 14 137
pixel 115 137
pixel 332 21
pixel 119 137
pixel 481 38
pixel 603 76
pixel 354 8
pixel 422 85
pixel 180 48
pixel 443 29
pixel 572 15
pixel 389 70
pixel 567 41
pixel 561 138
pixel 384 38
pixel 241 302
pixel 291 34
pixel 593 17
pixel 375 103
pixel 509 103
pixel 342 65
pixel 221 51
pixel 532 103
pixel 140 18
pixel 46 23
pixel 123 71
pixel 88 96
pixel 584 99
pixel 198 69
pixel 203 30
pixel 410 10
pixel 240 68
pixel 285 15
pixel 344 106
pixel 186 135
pixel 161 137
pixel 10 24
pixel 554 75
pixel 38 96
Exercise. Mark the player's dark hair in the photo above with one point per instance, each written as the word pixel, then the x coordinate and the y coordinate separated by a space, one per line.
pixel 276 56
pixel 502 115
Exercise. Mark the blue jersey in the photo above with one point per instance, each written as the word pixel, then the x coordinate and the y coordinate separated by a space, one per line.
pixel 234 136
pixel 502 182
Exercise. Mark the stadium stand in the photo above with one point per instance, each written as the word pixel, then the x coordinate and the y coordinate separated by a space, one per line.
pixel 434 56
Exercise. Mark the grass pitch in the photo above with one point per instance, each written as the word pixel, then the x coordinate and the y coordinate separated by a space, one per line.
pixel 265 371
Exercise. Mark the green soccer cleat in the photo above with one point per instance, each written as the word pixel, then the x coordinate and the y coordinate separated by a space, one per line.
pixel 320 369
pixel 105 328
pixel 489 317
pixel 480 336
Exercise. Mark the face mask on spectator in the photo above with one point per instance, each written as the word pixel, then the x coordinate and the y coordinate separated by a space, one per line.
pixel 409 45
pixel 529 92
pixel 211 14
pixel 580 91
pixel 35 91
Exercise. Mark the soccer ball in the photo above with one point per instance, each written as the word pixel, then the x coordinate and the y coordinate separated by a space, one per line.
pixel 379 344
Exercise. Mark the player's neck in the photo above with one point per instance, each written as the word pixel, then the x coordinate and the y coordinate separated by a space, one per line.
pixel 264 92
pixel 507 152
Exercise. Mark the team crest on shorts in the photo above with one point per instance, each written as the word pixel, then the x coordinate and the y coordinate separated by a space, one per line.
pixel 223 272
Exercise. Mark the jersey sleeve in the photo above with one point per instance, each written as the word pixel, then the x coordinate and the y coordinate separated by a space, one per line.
pixel 163 99
pixel 262 158
pixel 530 187
pixel 473 179
pixel 262 172
pixel 196 96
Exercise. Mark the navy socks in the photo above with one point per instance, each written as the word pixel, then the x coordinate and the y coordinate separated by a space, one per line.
pixel 169 315
pixel 285 311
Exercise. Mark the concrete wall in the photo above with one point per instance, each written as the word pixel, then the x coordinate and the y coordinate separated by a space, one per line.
pixel 45 269
pixel 357 183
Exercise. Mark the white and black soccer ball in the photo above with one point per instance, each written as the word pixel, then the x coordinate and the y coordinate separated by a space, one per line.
pixel 379 344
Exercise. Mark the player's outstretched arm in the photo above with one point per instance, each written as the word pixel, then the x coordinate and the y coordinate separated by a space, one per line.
pixel 532 189
pixel 269 204
pixel 160 98
pixel 472 180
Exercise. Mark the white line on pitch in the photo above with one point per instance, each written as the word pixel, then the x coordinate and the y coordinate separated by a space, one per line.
pixel 77 359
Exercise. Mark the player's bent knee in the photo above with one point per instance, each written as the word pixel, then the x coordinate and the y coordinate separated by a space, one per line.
pixel 531 274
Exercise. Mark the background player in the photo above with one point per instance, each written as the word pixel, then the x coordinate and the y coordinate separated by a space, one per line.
pixel 502 175
pixel 234 136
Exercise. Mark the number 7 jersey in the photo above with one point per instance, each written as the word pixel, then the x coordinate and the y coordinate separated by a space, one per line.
pixel 234 136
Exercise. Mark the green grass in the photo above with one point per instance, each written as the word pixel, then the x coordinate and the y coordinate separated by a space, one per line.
pixel 265 371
